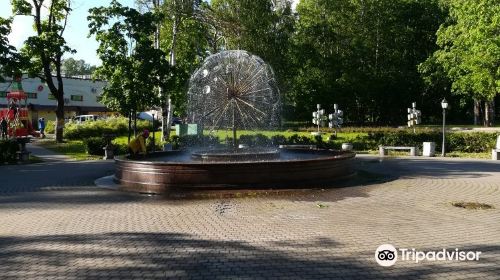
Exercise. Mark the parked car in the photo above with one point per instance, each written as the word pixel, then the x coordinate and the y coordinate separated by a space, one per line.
pixel 84 118
pixel 176 120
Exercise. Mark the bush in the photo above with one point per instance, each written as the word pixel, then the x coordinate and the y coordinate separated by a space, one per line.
pixel 466 142
pixel 117 126
pixel 255 140
pixel 120 149
pixel 476 142
pixel 50 127
pixel 8 149
pixel 94 145
pixel 194 141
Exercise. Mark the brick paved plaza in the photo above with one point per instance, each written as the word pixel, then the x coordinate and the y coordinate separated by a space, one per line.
pixel 56 224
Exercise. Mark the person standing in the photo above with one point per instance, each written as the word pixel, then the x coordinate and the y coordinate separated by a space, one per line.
pixel 3 128
pixel 41 126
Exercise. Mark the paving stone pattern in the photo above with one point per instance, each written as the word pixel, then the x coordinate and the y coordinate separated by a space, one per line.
pixel 54 224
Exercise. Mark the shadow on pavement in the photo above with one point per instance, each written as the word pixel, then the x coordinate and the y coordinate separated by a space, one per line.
pixel 430 168
pixel 128 255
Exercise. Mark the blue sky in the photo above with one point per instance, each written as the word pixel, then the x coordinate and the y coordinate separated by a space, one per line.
pixel 76 32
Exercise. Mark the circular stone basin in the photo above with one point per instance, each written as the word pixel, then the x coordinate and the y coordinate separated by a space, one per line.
pixel 163 172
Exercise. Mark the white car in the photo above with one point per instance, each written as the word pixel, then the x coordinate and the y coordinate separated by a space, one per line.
pixel 84 118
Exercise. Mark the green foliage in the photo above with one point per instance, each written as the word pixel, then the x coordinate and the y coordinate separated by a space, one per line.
pixel 94 145
pixel 43 51
pixel 131 65
pixel 10 59
pixel 50 127
pixel 21 7
pixel 116 126
pixel 72 148
pixel 185 37
pixel 73 67
pixel 258 140
pixel 460 142
pixel 194 141
pixel 469 49
pixel 256 26
pixel 361 55
pixel 8 149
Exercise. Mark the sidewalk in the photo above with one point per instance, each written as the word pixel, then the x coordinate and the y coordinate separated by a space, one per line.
pixel 46 154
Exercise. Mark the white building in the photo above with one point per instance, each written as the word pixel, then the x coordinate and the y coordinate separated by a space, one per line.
pixel 81 97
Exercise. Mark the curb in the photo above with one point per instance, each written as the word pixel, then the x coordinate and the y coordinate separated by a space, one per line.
pixel 107 182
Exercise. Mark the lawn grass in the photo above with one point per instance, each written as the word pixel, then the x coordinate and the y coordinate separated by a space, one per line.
pixel 484 155
pixel 123 140
pixel 72 148
pixel 34 159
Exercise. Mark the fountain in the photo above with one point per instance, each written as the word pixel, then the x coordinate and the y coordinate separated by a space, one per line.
pixel 232 90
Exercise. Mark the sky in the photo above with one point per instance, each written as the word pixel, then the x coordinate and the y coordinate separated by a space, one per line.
pixel 76 31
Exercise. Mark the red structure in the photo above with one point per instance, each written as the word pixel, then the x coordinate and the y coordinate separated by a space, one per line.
pixel 17 113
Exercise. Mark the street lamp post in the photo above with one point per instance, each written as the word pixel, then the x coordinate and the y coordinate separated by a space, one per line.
pixel 444 105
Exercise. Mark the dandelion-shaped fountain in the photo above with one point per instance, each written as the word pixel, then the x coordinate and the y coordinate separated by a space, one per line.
pixel 232 90
pixel 236 90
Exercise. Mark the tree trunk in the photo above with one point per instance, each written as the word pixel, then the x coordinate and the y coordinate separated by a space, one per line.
pixel 489 113
pixel 167 109
pixel 175 29
pixel 129 126
pixel 135 123
pixel 60 119
pixel 477 112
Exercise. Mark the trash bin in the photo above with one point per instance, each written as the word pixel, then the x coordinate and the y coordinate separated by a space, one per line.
pixel 429 149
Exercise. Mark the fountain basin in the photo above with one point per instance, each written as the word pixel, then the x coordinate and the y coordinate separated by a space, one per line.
pixel 163 172
pixel 232 155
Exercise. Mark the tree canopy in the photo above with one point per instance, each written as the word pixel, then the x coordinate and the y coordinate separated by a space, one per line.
pixel 469 50
pixel 73 67
pixel 46 48
pixel 10 60
pixel 131 65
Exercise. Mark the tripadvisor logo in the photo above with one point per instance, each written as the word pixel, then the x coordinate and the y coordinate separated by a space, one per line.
pixel 387 255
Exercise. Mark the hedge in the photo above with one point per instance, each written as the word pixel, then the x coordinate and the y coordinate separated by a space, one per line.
pixel 8 149
pixel 466 142
pixel 458 141
pixel 94 145
pixel 117 126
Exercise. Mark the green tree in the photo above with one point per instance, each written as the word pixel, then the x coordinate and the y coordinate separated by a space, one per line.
pixel 10 59
pixel 262 27
pixel 363 55
pixel 46 48
pixel 469 52
pixel 73 67
pixel 183 36
pixel 131 65
pixel 180 35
